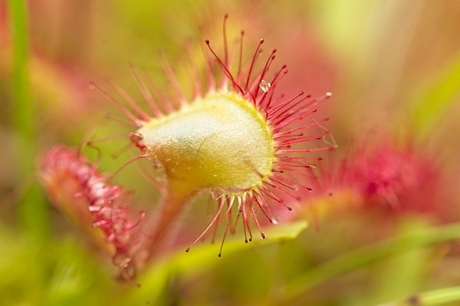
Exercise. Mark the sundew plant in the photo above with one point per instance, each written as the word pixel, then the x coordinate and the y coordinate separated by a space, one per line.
pixel 236 141
pixel 206 161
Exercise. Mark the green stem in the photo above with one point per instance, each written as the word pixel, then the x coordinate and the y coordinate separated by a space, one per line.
pixel 368 254
pixel 440 296
pixel 430 298
pixel 32 209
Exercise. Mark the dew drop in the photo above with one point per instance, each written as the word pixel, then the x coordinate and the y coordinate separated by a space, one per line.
pixel 264 85
pixel 92 85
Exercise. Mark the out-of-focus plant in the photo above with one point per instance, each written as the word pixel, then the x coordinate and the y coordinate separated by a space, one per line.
pixel 384 204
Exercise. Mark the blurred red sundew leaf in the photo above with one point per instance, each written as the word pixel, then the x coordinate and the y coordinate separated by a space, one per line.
pixel 436 98
pixel 204 256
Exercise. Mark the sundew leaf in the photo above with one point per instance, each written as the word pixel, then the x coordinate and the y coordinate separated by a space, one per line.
pixel 433 101
pixel 204 256
pixel 429 298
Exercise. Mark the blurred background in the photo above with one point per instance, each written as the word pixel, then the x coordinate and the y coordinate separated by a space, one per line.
pixel 385 223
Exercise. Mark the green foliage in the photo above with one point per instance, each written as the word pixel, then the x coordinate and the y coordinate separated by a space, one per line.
pixel 379 61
